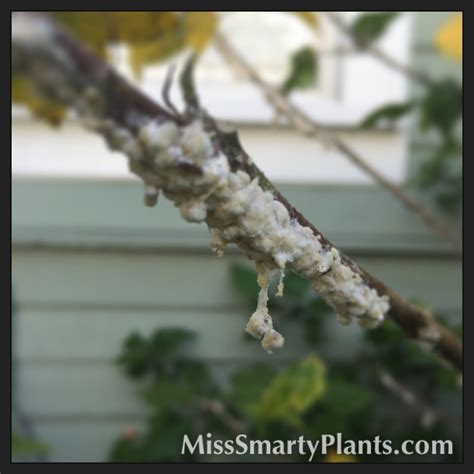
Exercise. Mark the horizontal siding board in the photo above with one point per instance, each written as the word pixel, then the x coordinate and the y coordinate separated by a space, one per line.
pixel 437 283
pixel 94 389
pixel 52 335
pixel 82 440
pixel 76 213
pixel 104 279
pixel 95 279
pixel 56 392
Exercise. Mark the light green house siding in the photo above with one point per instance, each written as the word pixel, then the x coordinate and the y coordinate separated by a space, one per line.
pixel 83 284
pixel 91 264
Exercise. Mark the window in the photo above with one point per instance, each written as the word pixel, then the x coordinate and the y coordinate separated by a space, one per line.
pixel 349 85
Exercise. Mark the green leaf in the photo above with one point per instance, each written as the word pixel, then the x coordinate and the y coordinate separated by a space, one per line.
pixel 325 422
pixel 310 311
pixel 141 355
pixel 247 386
pixel 345 398
pixel 368 27
pixel 165 437
pixel 441 107
pixel 387 113
pixel 293 391
pixel 313 331
pixel 440 174
pixel 25 446
pixel 190 379
pixel 296 287
pixel 386 334
pixel 167 342
pixel 244 280
pixel 304 69
pixel 125 449
pixel 403 357
pixel 318 307
pixel 450 199
pixel 135 355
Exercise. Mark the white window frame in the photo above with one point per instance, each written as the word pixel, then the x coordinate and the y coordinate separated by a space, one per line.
pixel 352 86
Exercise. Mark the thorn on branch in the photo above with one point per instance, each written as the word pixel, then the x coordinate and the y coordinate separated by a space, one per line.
pixel 165 91
pixel 187 86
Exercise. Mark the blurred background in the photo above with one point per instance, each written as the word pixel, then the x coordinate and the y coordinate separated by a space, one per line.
pixel 128 332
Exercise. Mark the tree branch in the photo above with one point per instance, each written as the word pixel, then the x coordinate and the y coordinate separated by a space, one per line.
pixel 207 174
pixel 310 127
pixel 427 413
pixel 217 408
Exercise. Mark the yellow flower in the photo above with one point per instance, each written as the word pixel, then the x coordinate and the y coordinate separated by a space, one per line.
pixel 448 39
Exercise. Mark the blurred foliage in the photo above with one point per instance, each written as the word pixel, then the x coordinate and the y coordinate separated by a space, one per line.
pixel 312 396
pixel 23 92
pixel 303 73
pixel 335 457
pixel 171 383
pixel 244 283
pixel 151 37
pixel 24 446
pixel 293 391
pixel 441 170
pixel 247 388
pixel 448 39
pixel 141 357
pixel 441 174
pixel 309 18
pixel 369 27
pixel 437 110
pixel 387 114
pixel 441 108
